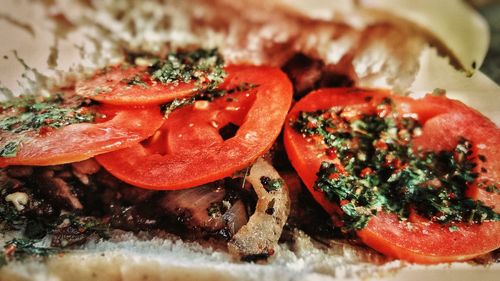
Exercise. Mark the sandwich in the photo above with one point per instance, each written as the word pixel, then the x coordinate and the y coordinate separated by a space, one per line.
pixel 244 148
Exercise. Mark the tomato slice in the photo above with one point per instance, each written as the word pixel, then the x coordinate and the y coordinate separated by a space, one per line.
pixel 443 121
pixel 189 150
pixel 306 156
pixel 131 85
pixel 429 243
pixel 441 132
pixel 116 128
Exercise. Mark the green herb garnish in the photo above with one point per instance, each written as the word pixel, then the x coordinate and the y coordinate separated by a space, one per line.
pixel 380 170
pixel 88 225
pixel 271 184
pixel 207 95
pixel 9 149
pixel 10 218
pixel 216 209
pixel 35 113
pixel 19 249
pixel 203 67
pixel 32 114
pixel 136 81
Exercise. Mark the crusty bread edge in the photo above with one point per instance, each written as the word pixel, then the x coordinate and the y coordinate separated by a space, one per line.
pixel 129 258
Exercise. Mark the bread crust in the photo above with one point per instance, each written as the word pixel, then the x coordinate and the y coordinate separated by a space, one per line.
pixel 129 258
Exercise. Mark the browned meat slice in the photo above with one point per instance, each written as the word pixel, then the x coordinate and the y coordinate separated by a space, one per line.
pixel 307 74
pixel 304 73
pixel 56 189
pixel 131 218
pixel 114 189
pixel 67 236
pixel 19 171
pixel 134 195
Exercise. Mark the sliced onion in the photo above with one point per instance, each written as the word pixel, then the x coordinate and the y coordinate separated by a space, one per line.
pixel 235 217
pixel 195 203
pixel 260 235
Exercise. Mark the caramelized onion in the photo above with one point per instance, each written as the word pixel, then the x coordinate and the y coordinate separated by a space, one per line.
pixel 235 217
pixel 260 235
pixel 194 204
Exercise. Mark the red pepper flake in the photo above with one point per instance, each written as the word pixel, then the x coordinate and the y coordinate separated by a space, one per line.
pixel 380 144
pixel 340 168
pixel 330 130
pixel 317 138
pixel 344 202
pixel 330 152
pixel 310 125
pixel 365 172
pixel 45 130
pixel 398 164
pixel 334 176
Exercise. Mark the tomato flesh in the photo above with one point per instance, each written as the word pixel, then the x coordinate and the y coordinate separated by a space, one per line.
pixel 444 122
pixel 189 150
pixel 428 243
pixel 442 132
pixel 121 128
pixel 132 85
pixel 307 156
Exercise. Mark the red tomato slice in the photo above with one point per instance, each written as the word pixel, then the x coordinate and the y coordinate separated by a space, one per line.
pixel 444 121
pixel 189 151
pixel 116 86
pixel 120 128
pixel 441 133
pixel 429 243
pixel 306 156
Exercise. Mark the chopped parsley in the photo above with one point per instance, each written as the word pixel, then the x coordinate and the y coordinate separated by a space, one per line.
pixel 375 167
pixel 175 104
pixel 207 95
pixel 439 92
pixel 35 114
pixel 271 184
pixel 203 66
pixel 136 81
pixel 10 218
pixel 216 209
pixel 492 188
pixel 66 230
pixel 19 249
pixel 9 149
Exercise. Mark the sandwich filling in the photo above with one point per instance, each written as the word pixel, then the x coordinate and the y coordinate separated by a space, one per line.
pixel 186 145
